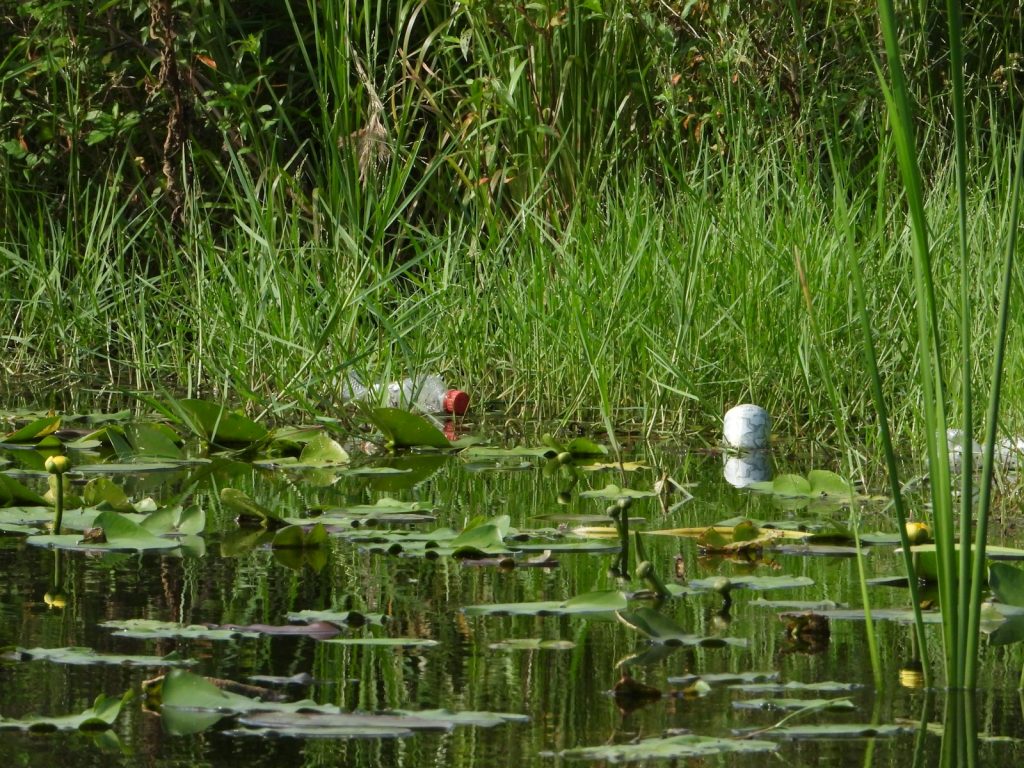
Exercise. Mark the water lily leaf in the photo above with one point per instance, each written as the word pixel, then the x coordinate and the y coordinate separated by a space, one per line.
pixel 89 657
pixel 532 644
pixel 784 485
pixel 1009 632
pixel 391 642
pixel 404 429
pixel 1006 583
pixel 14 493
pixel 625 466
pixel 216 423
pixel 340 618
pixel 613 492
pixel 34 430
pixel 111 530
pixel 824 686
pixel 583 447
pixel 607 601
pixel 151 629
pixel 726 678
pixel 248 510
pixel 660 629
pixel 135 468
pixel 825 483
pixel 151 441
pixel 482 539
pixel 489 452
pixel 686 746
pixel 100 716
pixel 787 705
pixel 297 537
pixel 332 725
pixel 836 731
pixel 323 451
pixel 104 492
pixel 758 583
pixel 190 521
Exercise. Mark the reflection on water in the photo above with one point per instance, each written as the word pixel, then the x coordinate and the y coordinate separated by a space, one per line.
pixel 565 688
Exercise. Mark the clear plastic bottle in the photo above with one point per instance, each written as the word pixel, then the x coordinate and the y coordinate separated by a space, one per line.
pixel 429 395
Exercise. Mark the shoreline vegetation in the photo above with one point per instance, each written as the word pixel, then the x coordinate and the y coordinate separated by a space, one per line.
pixel 627 204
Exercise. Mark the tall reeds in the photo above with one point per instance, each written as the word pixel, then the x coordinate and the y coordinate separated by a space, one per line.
pixel 961 580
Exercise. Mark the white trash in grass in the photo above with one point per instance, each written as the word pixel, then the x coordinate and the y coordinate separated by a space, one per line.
pixel 747 427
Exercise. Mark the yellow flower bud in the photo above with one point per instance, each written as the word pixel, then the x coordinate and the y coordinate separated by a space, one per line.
pixel 58 465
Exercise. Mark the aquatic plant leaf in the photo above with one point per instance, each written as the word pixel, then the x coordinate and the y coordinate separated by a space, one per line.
pixel 322 450
pixel 296 537
pixel 660 629
pixel 151 629
pixel 104 492
pixel 395 642
pixel 784 485
pixel 1009 632
pixel 685 746
pixel 101 715
pixel 613 492
pixel 836 731
pixel 89 657
pixel 482 540
pixel 248 510
pixel 788 705
pixel 532 644
pixel 823 686
pixel 330 724
pixel 152 441
pixel 607 601
pixel 489 452
pixel 758 583
pixel 34 430
pixel 190 521
pixel 136 468
pixel 340 618
pixel 583 447
pixel 216 423
pixel 1006 583
pixel 726 678
pixel 404 429
pixel 14 493
pixel 118 532
pixel 825 483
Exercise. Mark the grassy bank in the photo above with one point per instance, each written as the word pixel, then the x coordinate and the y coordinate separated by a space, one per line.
pixel 558 211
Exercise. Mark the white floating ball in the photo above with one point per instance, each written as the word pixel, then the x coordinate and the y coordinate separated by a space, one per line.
pixel 747 426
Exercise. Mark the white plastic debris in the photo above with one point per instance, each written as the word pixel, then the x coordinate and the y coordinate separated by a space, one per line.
pixel 747 427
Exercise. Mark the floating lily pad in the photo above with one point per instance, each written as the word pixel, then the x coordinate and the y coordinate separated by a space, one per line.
pixel 249 511
pixel 100 716
pixel 686 746
pixel 823 686
pixel 532 644
pixel 340 618
pixel 789 705
pixel 613 492
pixel 111 531
pixel 836 731
pixel 757 583
pixel 489 452
pixel 14 493
pixel 818 483
pixel 407 430
pixel 151 629
pixel 660 629
pixel 216 423
pixel 33 431
pixel 589 603
pixel 391 642
pixel 726 678
pixel 89 657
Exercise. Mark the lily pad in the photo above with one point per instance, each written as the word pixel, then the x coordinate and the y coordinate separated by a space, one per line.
pixel 589 603
pixel 532 644
pixel 89 657
pixel 390 642
pixel 836 731
pixel 823 686
pixel 660 629
pixel 789 705
pixel 33 431
pixel 100 716
pixel 685 746
pixel 216 423
pixel 340 618
pixel 818 483
pixel 726 678
pixel 757 583
pixel 14 493
pixel 151 629
pixel 1006 583
pixel 407 430
pixel 613 492
pixel 112 531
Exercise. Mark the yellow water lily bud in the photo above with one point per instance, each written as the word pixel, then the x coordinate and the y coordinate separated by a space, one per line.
pixel 56 598
pixel 57 465
pixel 918 533
pixel 564 457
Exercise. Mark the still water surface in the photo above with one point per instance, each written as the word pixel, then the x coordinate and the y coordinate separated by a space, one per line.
pixel 565 692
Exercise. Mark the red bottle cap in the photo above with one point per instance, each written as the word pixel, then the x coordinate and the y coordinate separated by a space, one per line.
pixel 456 401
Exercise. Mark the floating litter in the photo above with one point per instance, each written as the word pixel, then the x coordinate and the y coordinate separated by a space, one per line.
pixel 747 427
pixel 748 468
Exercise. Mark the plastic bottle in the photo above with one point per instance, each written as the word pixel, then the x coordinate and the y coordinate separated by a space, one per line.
pixel 429 395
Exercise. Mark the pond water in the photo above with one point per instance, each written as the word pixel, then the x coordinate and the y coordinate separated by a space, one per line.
pixel 558 672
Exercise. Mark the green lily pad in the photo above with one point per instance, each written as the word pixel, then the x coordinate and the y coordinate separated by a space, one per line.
pixel 118 533
pixel 589 603
pixel 758 583
pixel 726 678
pixel 489 452
pixel 407 430
pixel 297 537
pixel 89 657
pixel 151 629
pixel 14 493
pixel 818 483
pixel 1006 583
pixel 613 492
pixel 33 431
pixel 532 644
pixel 104 492
pixel 836 731
pixel 136 468
pixel 323 451
pixel 660 629
pixel 1009 632
pixel 482 539
pixel 823 686
pixel 100 716
pixel 248 510
pixel 340 618
pixel 788 705
pixel 216 423
pixel 686 746
pixel 190 521
pixel 390 642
